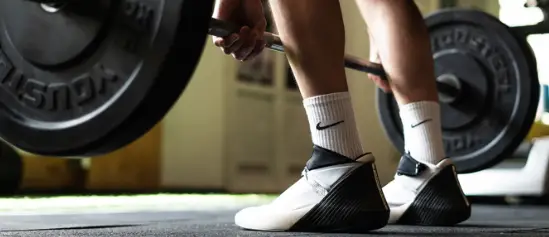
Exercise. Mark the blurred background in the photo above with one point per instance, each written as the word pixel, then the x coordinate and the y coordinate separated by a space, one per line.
pixel 240 127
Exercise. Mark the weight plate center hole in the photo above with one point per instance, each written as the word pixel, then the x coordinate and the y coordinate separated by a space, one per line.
pixel 451 83
pixel 463 86
pixel 53 7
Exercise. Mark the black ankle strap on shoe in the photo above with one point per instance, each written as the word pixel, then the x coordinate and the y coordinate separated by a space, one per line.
pixel 409 166
pixel 323 158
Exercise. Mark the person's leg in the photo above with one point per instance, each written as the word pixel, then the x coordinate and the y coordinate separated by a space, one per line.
pixel 402 43
pixel 339 189
pixel 314 41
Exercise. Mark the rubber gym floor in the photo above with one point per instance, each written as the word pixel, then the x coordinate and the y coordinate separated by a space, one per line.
pixel 212 215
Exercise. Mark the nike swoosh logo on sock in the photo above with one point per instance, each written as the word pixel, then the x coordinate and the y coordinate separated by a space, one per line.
pixel 318 127
pixel 422 122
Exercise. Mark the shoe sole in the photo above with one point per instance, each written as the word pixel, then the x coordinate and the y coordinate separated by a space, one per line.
pixel 347 207
pixel 438 204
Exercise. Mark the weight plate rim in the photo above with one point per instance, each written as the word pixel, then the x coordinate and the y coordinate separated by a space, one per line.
pixel 463 166
pixel 147 114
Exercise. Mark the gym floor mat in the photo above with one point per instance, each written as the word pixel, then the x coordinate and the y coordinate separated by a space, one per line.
pixel 212 215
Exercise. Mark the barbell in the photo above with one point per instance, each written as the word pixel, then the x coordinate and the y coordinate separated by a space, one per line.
pixel 448 87
pixel 87 77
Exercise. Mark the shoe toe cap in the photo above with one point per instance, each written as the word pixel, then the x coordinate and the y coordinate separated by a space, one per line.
pixel 268 218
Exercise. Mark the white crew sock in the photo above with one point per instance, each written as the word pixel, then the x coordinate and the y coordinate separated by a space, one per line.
pixel 334 114
pixel 422 131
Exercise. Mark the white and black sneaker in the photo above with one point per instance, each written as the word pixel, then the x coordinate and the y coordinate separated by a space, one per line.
pixel 334 194
pixel 423 194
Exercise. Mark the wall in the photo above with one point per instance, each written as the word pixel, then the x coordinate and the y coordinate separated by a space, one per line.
pixel 490 6
pixel 193 141
pixel 134 167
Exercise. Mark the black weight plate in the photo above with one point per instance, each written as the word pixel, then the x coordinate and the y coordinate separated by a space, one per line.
pixel 500 89
pixel 93 76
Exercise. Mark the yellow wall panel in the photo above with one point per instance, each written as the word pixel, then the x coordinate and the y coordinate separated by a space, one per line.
pixel 48 173
pixel 135 167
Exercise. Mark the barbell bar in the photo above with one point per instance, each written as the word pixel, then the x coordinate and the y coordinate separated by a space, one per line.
pixel 448 86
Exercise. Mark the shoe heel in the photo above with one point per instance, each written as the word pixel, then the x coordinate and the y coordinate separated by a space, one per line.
pixel 354 205
pixel 440 203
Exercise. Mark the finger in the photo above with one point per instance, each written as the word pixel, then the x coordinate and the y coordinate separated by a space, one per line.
pixel 218 42
pixel 234 47
pixel 259 47
pixel 230 40
pixel 381 83
pixel 259 40
pixel 250 47
pixel 258 44
pixel 226 46
pixel 247 43
pixel 225 41
pixel 384 86
pixel 387 89
pixel 261 26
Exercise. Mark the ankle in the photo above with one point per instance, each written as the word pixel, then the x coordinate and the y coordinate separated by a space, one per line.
pixel 422 131
pixel 332 123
